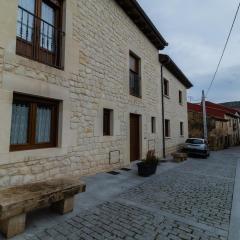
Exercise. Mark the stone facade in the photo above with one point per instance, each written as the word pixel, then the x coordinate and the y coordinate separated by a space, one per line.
pixel 217 130
pixel 95 76
pixel 223 127
pixel 1 65
pixel 175 112
pixel 233 127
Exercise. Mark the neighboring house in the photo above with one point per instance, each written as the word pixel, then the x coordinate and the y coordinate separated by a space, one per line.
pixel 223 124
pixel 80 88
pixel 233 117
pixel 175 85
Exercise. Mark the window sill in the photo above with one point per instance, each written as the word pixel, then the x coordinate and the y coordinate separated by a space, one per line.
pixel 29 155
pixel 166 96
pixel 168 138
pixel 135 96
pixel 17 148
pixel 59 68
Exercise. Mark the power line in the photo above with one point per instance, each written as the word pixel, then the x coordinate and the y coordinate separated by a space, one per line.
pixel 224 49
pixel 193 99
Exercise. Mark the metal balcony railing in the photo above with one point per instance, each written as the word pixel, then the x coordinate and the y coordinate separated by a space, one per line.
pixel 38 40
pixel 135 84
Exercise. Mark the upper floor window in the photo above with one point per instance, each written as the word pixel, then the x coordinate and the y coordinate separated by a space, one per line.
pixel 180 97
pixel 166 87
pixel 39 31
pixel 34 123
pixel 135 76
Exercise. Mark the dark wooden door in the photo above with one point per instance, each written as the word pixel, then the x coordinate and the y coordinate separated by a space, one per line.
pixel 134 137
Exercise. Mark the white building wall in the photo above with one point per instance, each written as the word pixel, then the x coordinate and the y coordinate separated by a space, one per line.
pixel 175 112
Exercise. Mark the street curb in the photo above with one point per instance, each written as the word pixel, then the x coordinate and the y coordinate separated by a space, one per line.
pixel 234 229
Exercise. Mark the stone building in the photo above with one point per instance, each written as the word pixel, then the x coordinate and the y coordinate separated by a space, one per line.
pixel 223 124
pixel 80 87
pixel 175 85
pixel 233 117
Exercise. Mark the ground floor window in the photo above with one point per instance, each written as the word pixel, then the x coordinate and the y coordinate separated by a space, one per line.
pixel 107 122
pixel 34 122
pixel 153 124
pixel 167 128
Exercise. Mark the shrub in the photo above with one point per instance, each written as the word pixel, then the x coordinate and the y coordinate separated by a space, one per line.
pixel 151 158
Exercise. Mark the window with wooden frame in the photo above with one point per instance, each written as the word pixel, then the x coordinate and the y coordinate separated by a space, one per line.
pixel 181 129
pixel 34 123
pixel 107 122
pixel 166 87
pixel 153 124
pixel 167 128
pixel 134 75
pixel 39 31
pixel 180 97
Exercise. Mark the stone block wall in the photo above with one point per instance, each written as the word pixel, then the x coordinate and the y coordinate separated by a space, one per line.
pixel 217 130
pixel 1 65
pixel 99 36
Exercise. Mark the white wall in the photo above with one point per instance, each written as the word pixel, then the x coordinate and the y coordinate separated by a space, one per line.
pixel 175 112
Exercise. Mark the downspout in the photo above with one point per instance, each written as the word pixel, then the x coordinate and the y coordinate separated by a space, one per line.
pixel 163 115
pixel 163 108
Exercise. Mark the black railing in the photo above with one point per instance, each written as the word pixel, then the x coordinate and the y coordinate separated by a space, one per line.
pixel 39 40
pixel 135 84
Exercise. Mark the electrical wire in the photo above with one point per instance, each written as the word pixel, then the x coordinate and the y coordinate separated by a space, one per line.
pixel 224 49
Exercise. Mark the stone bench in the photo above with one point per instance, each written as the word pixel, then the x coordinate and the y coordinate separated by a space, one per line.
pixel 179 156
pixel 15 202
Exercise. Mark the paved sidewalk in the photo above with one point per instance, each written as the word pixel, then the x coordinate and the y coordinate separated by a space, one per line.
pixel 192 200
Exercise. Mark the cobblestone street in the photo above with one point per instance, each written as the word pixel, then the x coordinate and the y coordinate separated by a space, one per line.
pixel 191 201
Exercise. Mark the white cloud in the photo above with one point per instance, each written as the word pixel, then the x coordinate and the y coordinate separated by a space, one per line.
pixel 196 32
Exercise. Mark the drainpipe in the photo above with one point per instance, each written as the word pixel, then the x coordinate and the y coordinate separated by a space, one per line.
pixel 163 115
pixel 163 109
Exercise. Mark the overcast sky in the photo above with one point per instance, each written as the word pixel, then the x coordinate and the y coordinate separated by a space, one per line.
pixel 196 32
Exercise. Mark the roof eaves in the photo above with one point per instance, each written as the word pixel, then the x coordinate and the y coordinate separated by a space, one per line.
pixel 175 70
pixel 143 22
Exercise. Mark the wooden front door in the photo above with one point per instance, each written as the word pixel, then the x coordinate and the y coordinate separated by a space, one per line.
pixel 134 137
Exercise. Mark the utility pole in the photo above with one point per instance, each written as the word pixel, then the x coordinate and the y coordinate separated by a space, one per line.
pixel 204 117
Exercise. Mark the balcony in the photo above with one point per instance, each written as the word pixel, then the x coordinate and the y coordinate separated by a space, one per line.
pixel 135 84
pixel 39 40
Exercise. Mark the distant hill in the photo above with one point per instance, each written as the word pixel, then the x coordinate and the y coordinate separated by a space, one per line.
pixel 234 104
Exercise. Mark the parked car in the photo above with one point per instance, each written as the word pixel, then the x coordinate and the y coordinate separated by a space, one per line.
pixel 197 146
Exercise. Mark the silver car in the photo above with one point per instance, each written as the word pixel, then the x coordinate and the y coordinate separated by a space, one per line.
pixel 197 146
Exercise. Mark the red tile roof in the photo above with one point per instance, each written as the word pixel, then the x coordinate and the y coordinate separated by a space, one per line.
pixel 221 107
pixel 214 110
